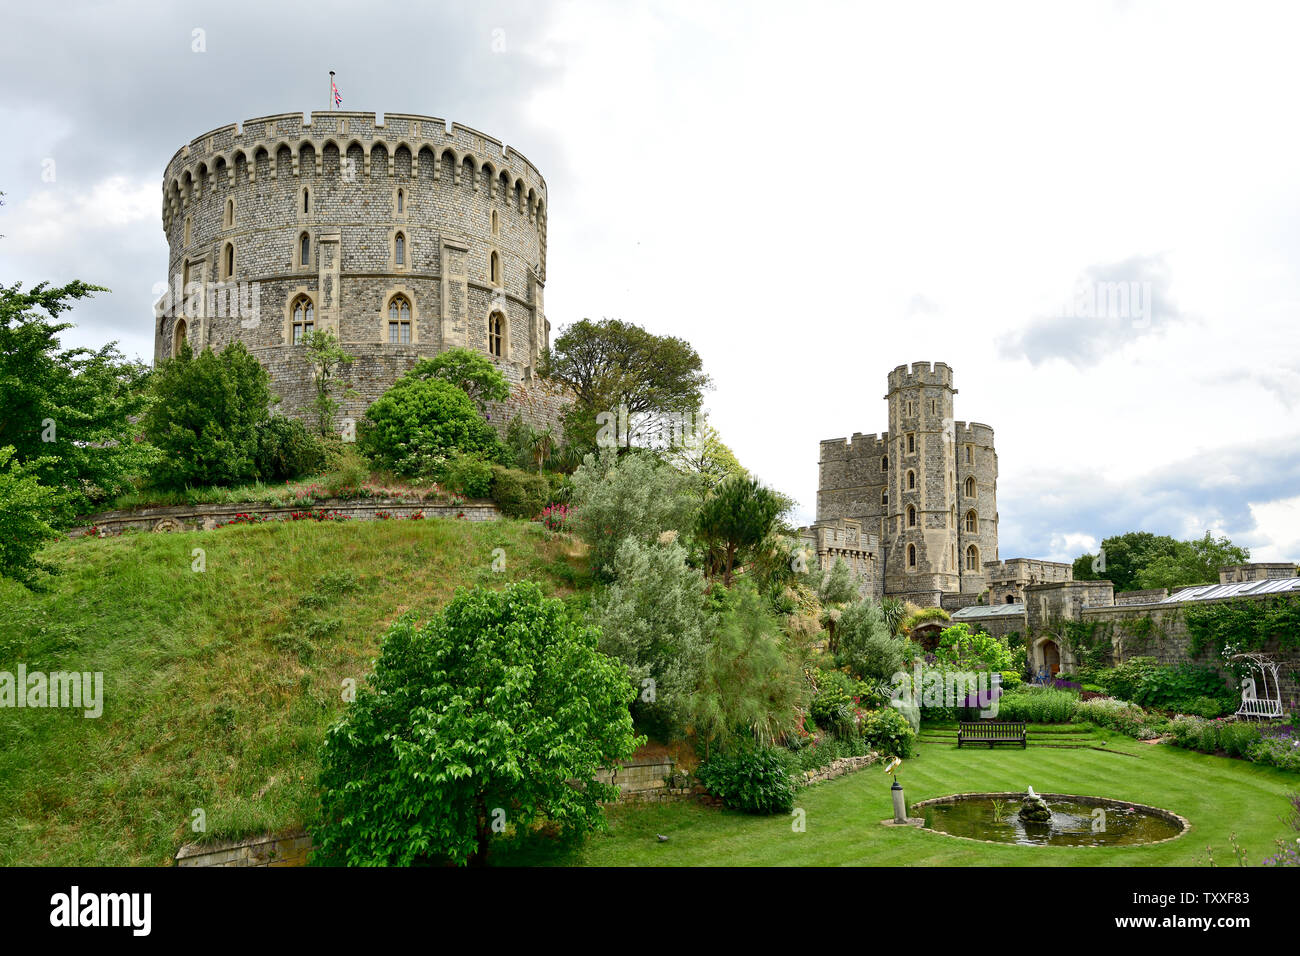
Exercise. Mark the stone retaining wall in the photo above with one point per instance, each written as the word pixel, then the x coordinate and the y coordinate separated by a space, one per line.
pixel 292 849
pixel 839 767
pixel 207 517
pixel 640 778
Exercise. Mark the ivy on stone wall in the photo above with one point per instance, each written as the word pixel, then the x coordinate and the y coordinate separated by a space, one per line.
pixel 1089 640
pixel 1246 624
pixel 1140 628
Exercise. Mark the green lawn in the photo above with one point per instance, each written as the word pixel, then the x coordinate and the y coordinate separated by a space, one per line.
pixel 1218 795
pixel 219 685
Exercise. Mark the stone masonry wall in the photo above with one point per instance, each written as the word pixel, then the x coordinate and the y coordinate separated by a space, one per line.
pixel 208 517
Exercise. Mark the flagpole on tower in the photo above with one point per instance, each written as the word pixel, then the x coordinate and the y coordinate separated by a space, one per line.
pixel 331 89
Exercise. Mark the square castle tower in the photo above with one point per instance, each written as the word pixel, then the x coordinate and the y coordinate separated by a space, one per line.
pixel 922 497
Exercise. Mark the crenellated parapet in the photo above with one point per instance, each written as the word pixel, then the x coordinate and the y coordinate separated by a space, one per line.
pixel 293 146
pixel 938 374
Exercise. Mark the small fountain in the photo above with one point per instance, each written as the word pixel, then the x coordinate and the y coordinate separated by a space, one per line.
pixel 1034 809
pixel 1070 820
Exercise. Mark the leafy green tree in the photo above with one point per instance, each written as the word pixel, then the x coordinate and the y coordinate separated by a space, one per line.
pixel 470 371
pixel 652 618
pixel 497 711
pixel 963 647
pixel 610 363
pixel 67 413
pixel 26 507
pixel 206 417
pixel 613 498
pixel 705 460
pixel 1122 557
pixel 1140 559
pixel 1194 562
pixel 751 683
pixel 286 449
pixel 738 516
pixel 327 357
pixel 864 643
pixel 419 423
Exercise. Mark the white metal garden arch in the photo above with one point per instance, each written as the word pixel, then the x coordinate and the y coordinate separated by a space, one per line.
pixel 1258 698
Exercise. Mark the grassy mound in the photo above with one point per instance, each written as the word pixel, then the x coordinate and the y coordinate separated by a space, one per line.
pixel 219 684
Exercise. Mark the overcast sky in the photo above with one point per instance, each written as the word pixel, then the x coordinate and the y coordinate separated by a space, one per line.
pixel 811 194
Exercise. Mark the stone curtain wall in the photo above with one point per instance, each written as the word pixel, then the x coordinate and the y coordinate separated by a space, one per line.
pixel 207 517
pixel 454 181
pixel 1168 641
pixel 1133 629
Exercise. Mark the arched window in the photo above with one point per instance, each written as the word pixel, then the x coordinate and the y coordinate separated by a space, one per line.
pixel 228 261
pixel 399 321
pixel 186 239
pixel 884 497
pixel 496 224
pixel 399 249
pixel 304 250
pixel 972 521
pixel 970 487
pixel 972 558
pixel 497 334
pixel 1011 599
pixel 494 268
pixel 306 200
pixel 401 202
pixel 911 481
pixel 911 516
pixel 230 213
pixel 911 443
pixel 304 318
pixel 178 338
pixel 911 555
pixel 968 454
pixel 884 463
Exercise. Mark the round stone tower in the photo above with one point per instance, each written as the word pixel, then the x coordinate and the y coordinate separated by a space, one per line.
pixel 405 236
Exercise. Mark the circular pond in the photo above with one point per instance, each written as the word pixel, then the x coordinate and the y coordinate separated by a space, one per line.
pixel 1075 820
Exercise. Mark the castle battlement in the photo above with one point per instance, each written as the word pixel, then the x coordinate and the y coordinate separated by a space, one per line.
pixel 921 373
pixel 400 128
pixel 974 432
pixel 842 449
pixel 283 141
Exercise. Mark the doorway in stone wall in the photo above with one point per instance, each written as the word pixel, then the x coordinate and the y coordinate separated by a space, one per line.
pixel 1051 658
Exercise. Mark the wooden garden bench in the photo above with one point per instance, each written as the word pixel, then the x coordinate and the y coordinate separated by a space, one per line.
pixel 991 732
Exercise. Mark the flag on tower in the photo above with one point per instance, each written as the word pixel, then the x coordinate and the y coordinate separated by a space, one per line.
pixel 334 91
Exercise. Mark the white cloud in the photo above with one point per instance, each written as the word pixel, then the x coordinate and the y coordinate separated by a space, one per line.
pixel 811 194
pixel 48 220
pixel 1281 523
